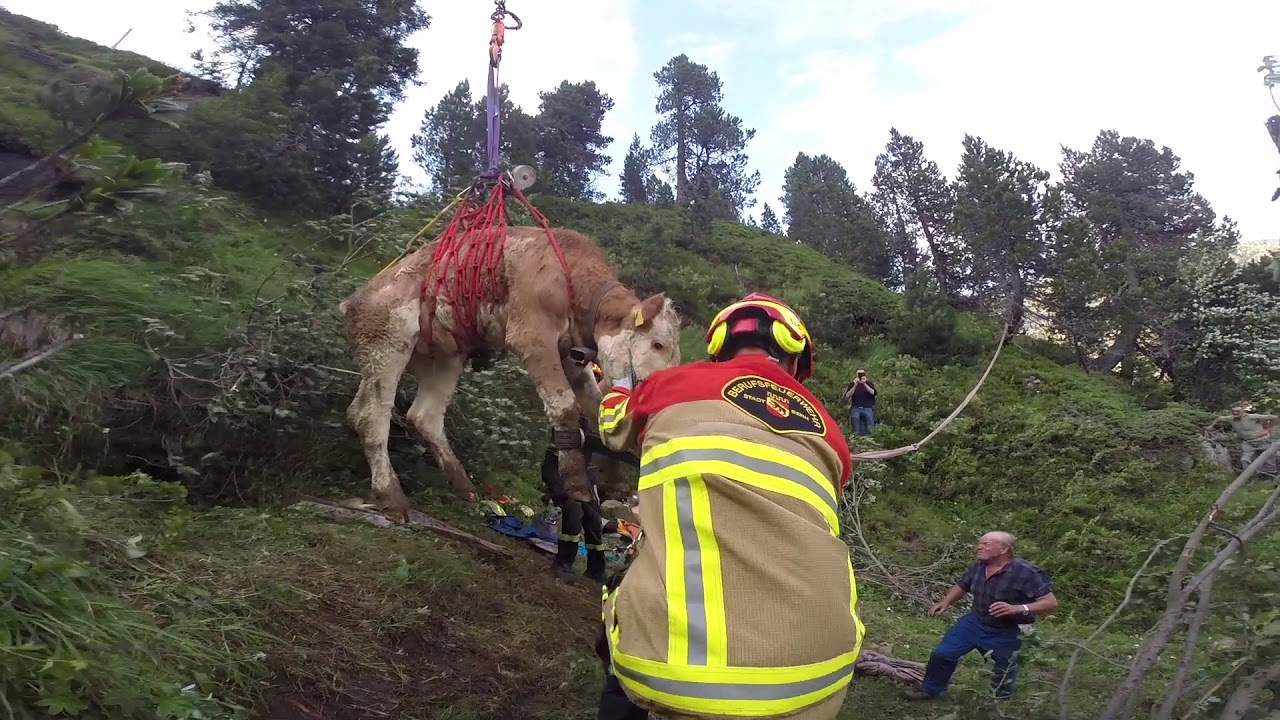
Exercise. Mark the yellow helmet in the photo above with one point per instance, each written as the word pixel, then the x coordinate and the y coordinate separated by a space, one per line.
pixel 764 318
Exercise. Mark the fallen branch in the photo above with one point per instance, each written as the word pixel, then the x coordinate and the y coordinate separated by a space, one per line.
pixel 1064 709
pixel 416 519
pixel 1243 698
pixel 1171 698
pixel 1212 692
pixel 36 358
pixel 920 585
pixel 1180 590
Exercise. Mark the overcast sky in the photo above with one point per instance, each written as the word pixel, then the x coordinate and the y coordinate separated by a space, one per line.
pixel 832 76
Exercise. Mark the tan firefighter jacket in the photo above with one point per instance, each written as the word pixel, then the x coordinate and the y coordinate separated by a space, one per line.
pixel 742 600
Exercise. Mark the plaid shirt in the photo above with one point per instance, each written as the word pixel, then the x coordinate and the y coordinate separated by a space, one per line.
pixel 1017 583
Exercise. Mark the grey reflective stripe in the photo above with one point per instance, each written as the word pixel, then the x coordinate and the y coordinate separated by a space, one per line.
pixel 734 691
pixel 695 592
pixel 764 467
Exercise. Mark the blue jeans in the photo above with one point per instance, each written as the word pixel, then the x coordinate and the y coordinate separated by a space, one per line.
pixel 970 634
pixel 863 419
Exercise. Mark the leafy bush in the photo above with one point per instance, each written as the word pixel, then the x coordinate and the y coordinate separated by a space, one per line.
pixel 926 325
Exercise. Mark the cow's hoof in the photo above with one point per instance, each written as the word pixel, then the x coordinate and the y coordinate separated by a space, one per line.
pixel 396 509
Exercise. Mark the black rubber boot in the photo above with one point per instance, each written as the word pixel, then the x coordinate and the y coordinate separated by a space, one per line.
pixel 596 565
pixel 562 566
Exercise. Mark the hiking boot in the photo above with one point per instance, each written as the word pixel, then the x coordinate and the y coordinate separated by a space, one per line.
pixel 563 574
pixel 596 565
pixel 562 565
pixel 917 694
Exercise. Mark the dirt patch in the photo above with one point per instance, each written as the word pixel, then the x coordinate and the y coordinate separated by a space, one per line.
pixel 463 637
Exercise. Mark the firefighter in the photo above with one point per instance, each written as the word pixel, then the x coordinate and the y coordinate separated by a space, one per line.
pixel 742 601
pixel 578 520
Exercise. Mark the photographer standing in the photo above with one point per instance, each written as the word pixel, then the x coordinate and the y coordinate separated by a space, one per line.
pixel 861 393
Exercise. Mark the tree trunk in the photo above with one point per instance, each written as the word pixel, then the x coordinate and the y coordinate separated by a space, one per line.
pixel 682 161
pixel 1016 306
pixel 941 264
pixel 1122 348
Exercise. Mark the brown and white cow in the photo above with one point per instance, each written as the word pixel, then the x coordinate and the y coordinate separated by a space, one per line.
pixel 391 329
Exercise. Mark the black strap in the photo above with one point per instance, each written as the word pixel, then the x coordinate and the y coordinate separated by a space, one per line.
pixel 566 438
pixel 593 311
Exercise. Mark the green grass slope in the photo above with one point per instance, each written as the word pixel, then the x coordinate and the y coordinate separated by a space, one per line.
pixel 212 357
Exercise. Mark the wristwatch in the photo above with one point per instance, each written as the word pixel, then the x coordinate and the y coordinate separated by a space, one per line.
pixel 1026 610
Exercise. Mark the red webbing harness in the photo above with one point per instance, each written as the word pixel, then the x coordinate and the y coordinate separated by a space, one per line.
pixel 466 266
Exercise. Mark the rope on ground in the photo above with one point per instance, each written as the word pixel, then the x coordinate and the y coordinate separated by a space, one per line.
pixel 896 452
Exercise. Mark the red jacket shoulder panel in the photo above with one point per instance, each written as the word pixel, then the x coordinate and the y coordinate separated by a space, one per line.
pixel 705 380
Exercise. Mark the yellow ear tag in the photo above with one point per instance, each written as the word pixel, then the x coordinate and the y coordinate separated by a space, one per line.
pixel 639 318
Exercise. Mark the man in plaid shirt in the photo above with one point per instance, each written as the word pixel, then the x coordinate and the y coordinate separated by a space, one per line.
pixel 1008 592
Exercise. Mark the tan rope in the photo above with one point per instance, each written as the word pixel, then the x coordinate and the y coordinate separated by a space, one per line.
pixel 889 454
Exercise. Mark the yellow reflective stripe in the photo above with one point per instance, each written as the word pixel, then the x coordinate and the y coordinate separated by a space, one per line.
pixel 708 633
pixel 741 691
pixel 859 628
pixel 742 461
pixel 677 608
pixel 611 417
pixel 569 538
pixel 594 547
pixel 695 602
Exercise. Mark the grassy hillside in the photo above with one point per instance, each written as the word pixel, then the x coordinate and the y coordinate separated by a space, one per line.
pixel 212 360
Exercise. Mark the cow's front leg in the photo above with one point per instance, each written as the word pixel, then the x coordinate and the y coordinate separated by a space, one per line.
pixel 540 356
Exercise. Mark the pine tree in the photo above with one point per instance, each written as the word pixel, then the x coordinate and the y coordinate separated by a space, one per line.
pixel 700 144
pixel 343 64
pixel 635 170
pixel 445 147
pixel 769 221
pixel 1141 215
pixel 1004 214
pixel 825 212
pixel 570 142
pixel 917 202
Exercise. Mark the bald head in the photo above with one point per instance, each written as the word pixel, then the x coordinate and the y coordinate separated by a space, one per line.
pixel 995 545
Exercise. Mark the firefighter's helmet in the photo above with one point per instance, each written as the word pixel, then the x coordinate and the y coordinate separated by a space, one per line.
pixel 762 320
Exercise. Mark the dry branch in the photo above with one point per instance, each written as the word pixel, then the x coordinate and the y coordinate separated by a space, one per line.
pixel 1174 694
pixel 920 585
pixel 36 358
pixel 1243 698
pixel 1064 708
pixel 1180 590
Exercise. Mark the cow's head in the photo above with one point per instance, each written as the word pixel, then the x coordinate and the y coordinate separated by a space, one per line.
pixel 648 341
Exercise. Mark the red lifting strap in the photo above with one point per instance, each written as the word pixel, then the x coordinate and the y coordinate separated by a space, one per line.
pixel 466 266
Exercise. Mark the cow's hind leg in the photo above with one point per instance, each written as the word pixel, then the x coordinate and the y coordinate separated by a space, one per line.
pixel 536 344
pixel 370 415
pixel 437 382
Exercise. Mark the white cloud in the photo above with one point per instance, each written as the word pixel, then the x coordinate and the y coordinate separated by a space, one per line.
pixel 1028 77
pixel 710 50
pixel 561 40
